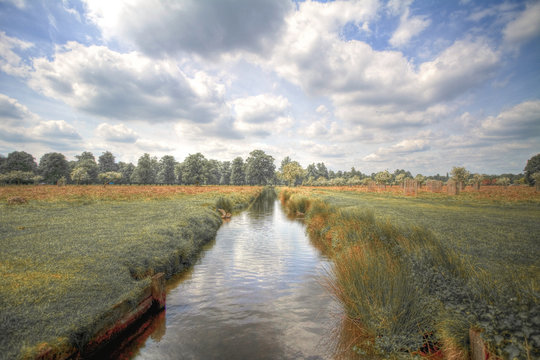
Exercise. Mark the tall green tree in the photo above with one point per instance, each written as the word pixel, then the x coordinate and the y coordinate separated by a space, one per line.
pixel 260 168
pixel 311 171
pixel 212 172
pixel 532 166
pixel 80 175
pixel 53 166
pixel 383 177
pixel 87 161
pixel 106 163
pixel 178 170
pixel 19 161
pixel 292 173
pixel 126 169
pixel 3 160
pixel 145 172
pixel 109 177
pixel 225 173
pixel 166 170
pixel 238 174
pixel 322 171
pixel 193 171
pixel 460 175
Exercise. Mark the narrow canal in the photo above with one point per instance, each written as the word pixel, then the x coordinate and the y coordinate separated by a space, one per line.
pixel 256 293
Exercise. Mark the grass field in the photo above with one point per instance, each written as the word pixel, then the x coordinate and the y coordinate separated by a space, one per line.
pixel 71 253
pixel 408 267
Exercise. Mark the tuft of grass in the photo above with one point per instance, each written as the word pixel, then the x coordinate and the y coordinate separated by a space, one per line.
pixel 225 204
pixel 380 295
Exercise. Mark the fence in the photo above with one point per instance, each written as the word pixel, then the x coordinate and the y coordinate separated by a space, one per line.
pixel 410 187
pixel 434 186
pixel 452 187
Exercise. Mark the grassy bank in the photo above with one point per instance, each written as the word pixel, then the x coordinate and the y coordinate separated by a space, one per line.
pixel 71 253
pixel 416 273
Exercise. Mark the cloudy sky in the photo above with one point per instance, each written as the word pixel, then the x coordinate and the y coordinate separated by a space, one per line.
pixel 421 85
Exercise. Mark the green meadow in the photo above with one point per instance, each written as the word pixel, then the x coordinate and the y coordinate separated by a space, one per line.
pixel 64 264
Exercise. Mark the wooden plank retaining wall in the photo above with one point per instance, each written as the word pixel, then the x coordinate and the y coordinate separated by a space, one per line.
pixel 153 298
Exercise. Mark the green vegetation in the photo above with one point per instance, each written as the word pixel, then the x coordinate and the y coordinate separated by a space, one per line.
pixel 64 264
pixel 418 273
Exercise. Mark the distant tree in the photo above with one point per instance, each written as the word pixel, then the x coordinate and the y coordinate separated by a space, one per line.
pixel 536 178
pixel 284 162
pixel 166 173
pixel 311 171
pixel 193 172
pixel 20 177
pixel 109 177
pixel 503 181
pixel 383 177
pixel 106 163
pixel 292 173
pixel 400 178
pixel 532 166
pixel 338 181
pixel 331 174
pixel 87 161
pixel 3 160
pixel 322 171
pixel 402 171
pixel 460 175
pixel 476 180
pixel 126 169
pixel 52 167
pixel 354 173
pixel 238 174
pixel 80 175
pixel 19 161
pixel 420 179
pixel 145 172
pixel 354 180
pixel 225 173
pixel 212 172
pixel 178 169
pixel 260 168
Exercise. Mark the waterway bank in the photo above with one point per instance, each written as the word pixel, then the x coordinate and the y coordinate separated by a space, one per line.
pixel 255 293
pixel 72 269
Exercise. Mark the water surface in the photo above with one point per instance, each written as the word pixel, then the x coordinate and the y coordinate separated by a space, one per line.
pixel 256 293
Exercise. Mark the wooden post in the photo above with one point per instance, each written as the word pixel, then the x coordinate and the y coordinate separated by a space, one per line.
pixel 479 350
pixel 158 290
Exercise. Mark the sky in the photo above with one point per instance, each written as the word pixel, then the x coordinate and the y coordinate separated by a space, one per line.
pixel 416 85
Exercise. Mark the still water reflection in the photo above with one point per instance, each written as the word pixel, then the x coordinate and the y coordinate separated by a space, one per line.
pixel 256 293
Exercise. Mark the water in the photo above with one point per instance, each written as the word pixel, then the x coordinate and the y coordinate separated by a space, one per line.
pixel 256 293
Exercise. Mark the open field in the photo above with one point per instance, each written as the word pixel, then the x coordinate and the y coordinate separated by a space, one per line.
pixel 71 253
pixel 494 228
pixel 418 271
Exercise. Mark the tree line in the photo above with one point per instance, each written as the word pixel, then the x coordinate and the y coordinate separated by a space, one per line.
pixel 258 168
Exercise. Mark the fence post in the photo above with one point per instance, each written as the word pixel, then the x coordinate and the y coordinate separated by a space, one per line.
pixel 158 290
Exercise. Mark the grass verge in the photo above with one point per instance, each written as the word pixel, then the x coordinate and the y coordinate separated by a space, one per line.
pixel 415 274
pixel 70 254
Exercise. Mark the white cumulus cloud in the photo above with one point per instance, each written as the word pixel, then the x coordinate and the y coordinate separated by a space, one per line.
pixel 409 27
pixel 116 133
pixel 126 86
